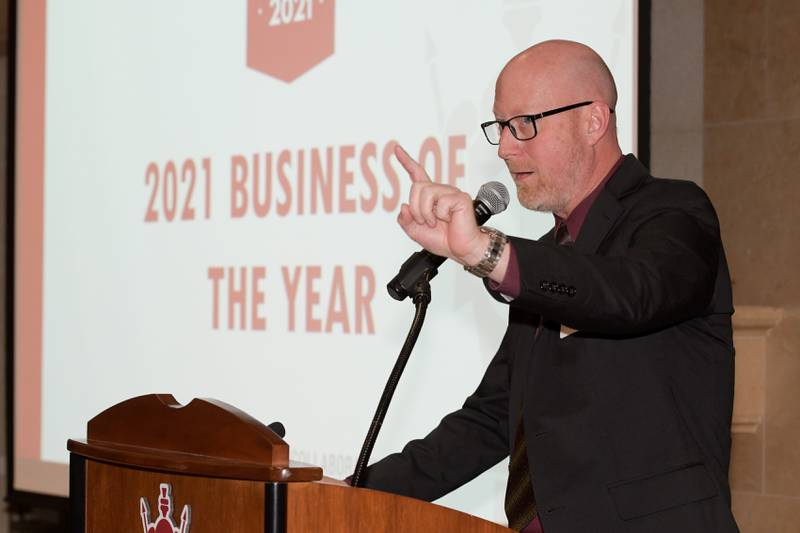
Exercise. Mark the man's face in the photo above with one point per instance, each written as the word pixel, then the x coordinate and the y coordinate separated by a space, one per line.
pixel 547 169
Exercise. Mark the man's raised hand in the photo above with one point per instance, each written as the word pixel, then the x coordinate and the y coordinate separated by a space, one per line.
pixel 439 217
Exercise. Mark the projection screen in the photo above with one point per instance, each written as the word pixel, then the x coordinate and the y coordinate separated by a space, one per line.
pixel 205 205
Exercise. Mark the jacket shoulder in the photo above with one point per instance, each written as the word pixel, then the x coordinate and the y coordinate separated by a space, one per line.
pixel 656 194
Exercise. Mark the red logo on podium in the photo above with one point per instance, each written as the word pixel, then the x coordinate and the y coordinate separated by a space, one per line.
pixel 164 523
pixel 286 38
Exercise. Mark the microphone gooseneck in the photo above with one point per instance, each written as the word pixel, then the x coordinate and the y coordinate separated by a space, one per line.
pixel 421 299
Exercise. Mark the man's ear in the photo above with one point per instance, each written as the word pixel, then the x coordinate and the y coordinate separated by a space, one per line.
pixel 598 122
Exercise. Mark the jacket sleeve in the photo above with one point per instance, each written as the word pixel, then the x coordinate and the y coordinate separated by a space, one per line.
pixel 466 442
pixel 665 273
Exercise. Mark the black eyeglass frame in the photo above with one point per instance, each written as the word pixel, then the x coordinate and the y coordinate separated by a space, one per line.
pixel 534 118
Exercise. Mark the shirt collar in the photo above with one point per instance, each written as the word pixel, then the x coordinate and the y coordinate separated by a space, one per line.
pixel 576 219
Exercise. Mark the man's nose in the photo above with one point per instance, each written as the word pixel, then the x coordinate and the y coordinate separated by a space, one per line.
pixel 508 143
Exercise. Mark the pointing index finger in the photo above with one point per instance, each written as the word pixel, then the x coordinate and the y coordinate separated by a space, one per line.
pixel 415 171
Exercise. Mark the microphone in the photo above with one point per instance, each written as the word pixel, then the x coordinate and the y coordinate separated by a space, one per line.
pixel 492 198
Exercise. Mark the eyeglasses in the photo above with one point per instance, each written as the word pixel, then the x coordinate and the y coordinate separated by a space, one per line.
pixel 522 127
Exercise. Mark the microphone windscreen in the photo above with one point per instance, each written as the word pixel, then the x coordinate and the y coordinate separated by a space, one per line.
pixel 495 195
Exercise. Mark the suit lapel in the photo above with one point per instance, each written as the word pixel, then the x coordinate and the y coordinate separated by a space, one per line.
pixel 606 209
pixel 601 218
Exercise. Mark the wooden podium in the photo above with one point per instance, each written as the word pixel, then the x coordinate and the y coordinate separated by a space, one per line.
pixel 150 464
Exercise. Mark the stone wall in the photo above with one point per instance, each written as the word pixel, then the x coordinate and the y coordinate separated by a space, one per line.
pixel 751 146
pixel 752 143
pixel 765 463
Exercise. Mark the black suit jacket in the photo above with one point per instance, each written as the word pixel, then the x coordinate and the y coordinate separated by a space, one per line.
pixel 627 420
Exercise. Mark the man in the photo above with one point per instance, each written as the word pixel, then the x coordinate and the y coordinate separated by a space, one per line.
pixel 612 388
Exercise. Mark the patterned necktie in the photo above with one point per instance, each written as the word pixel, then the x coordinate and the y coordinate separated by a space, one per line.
pixel 520 501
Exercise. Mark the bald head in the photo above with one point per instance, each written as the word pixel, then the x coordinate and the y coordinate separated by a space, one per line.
pixel 573 149
pixel 562 72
